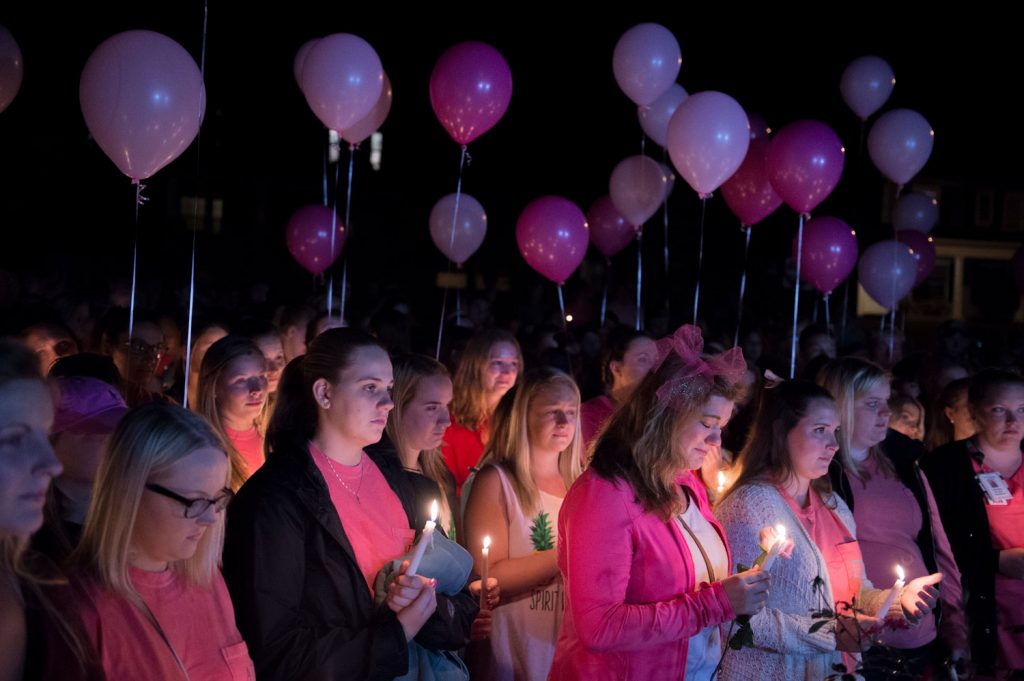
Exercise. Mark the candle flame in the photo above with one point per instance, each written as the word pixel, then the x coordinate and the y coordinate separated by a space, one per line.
pixel 433 511
pixel 487 542
pixel 899 572
pixel 721 480
pixel 780 531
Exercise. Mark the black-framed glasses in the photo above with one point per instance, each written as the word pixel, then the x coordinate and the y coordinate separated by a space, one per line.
pixel 194 507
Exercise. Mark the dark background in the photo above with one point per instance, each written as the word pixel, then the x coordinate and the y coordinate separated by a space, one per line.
pixel 67 213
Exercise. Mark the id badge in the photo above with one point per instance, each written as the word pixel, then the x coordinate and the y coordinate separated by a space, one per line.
pixel 997 493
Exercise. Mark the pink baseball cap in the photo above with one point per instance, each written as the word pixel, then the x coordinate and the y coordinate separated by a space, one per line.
pixel 87 406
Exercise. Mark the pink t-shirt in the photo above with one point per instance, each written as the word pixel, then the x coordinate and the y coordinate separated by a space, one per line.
pixel 198 622
pixel 375 522
pixel 249 444
pixel 593 415
pixel 888 521
pixel 1006 524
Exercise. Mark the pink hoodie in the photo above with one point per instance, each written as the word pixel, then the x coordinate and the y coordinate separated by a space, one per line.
pixel 628 579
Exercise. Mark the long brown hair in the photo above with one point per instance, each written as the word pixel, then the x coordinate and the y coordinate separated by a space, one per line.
pixel 765 456
pixel 637 444
pixel 509 446
pixel 469 401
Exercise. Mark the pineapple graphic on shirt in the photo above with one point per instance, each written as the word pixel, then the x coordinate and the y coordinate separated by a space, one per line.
pixel 540 533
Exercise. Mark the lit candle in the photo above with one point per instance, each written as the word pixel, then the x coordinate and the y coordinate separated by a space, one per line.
pixel 421 545
pixel 897 586
pixel 483 582
pixel 773 552
pixel 721 481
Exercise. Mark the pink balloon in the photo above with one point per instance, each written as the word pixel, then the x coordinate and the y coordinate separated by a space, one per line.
pixel 654 118
pixel 309 237
pixel 1017 267
pixel 300 60
pixel 805 161
pixel 609 231
pixel 918 212
pixel 470 227
pixel 373 120
pixel 552 236
pixel 11 68
pixel 748 193
pixel 708 138
pixel 829 253
pixel 886 271
pixel 923 249
pixel 638 188
pixel 646 62
pixel 342 78
pixel 143 100
pixel 470 89
pixel 900 143
pixel 866 85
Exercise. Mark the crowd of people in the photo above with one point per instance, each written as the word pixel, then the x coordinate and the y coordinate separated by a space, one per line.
pixel 303 501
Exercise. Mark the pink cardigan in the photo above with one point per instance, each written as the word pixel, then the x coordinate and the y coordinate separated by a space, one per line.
pixel 628 578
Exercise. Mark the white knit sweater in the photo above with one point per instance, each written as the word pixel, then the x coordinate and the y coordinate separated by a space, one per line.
pixel 785 650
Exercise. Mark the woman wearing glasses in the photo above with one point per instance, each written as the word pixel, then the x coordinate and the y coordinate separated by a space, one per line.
pixel 149 590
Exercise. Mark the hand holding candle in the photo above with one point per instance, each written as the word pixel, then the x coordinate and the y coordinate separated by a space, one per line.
pixel 425 538
pixel 893 592
pixel 919 597
pixel 486 567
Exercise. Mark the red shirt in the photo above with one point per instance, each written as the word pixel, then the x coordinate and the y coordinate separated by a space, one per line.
pixel 462 449
pixel 249 444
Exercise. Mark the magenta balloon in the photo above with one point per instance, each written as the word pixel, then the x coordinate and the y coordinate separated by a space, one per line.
pixel 1017 267
pixel 342 79
pixel 900 143
pixel 923 249
pixel 470 227
pixel 143 100
pixel 654 118
pixel 918 212
pixel 866 85
pixel 610 232
pixel 552 236
pixel 309 237
pixel 470 89
pixel 638 187
pixel 371 124
pixel 646 62
pixel 11 68
pixel 829 253
pixel 804 162
pixel 748 193
pixel 708 138
pixel 887 271
pixel 300 60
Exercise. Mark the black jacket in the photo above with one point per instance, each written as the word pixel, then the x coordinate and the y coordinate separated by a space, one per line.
pixel 962 508
pixel 301 601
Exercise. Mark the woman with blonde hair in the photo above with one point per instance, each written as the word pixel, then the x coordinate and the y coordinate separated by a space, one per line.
pixel 876 475
pixel 531 461
pixel 233 398
pixel 149 589
pixel 489 366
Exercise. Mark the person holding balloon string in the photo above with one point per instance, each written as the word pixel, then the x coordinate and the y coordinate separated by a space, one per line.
pixel 783 480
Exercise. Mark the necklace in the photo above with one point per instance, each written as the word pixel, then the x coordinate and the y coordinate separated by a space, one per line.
pixel 354 492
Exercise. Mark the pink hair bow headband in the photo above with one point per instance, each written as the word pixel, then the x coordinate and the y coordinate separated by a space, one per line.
pixel 697 373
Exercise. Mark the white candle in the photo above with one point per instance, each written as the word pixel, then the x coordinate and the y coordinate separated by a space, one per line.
pixel 773 551
pixel 421 545
pixel 721 481
pixel 483 582
pixel 897 586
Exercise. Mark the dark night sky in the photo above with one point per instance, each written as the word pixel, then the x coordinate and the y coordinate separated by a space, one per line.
pixel 63 202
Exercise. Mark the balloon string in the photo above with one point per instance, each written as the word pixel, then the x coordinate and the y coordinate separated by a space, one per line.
pixel 334 228
pixel 440 327
pixel 327 148
pixel 892 329
pixel 604 296
pixel 139 200
pixel 561 306
pixel 639 277
pixel 451 247
pixel 347 226
pixel 700 258
pixel 743 286
pixel 195 227
pixel 458 307
pixel 664 221
pixel 828 316
pixel 796 296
